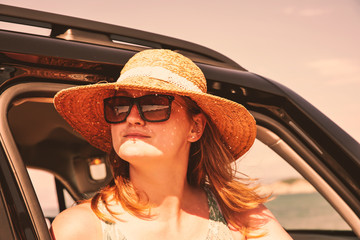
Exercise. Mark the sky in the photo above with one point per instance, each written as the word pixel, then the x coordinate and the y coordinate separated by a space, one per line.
pixel 310 46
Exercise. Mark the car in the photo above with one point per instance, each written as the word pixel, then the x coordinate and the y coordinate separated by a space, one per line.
pixel 45 166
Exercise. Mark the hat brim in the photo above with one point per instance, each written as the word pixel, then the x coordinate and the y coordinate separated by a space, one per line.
pixel 83 109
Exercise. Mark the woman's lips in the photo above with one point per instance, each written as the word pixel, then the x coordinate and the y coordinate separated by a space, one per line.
pixel 136 135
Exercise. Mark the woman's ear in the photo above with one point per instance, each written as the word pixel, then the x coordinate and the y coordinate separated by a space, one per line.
pixel 197 127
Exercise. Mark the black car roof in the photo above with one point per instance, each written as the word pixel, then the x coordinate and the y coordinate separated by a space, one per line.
pixel 108 34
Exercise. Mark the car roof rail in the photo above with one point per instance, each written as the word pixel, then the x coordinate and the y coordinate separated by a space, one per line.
pixel 82 30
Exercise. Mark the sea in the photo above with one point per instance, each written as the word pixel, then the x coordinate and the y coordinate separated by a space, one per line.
pixel 306 211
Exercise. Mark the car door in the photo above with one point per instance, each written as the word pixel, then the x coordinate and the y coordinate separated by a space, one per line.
pixel 321 160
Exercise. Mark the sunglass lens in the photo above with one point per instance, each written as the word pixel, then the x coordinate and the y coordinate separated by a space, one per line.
pixel 155 108
pixel 116 109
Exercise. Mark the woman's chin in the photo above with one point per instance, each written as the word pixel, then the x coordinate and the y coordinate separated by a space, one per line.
pixel 133 150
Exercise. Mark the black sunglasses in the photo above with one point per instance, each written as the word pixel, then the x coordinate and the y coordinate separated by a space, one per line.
pixel 152 108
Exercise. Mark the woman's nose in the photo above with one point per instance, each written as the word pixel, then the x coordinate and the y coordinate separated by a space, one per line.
pixel 134 116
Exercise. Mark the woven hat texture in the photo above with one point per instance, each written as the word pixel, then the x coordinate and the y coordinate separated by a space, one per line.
pixel 160 71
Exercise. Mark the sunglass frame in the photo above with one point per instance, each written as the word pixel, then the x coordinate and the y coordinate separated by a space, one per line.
pixel 135 101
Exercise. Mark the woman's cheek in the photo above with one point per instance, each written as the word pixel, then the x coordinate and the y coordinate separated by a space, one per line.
pixel 115 136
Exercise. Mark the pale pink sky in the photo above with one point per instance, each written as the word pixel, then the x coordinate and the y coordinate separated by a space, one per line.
pixel 310 46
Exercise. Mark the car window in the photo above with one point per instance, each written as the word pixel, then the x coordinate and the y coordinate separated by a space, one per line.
pixel 45 188
pixel 294 202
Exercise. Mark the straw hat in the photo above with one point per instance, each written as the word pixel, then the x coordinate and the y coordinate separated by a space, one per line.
pixel 161 71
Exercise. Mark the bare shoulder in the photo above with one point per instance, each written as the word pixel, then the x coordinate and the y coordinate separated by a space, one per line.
pixel 264 224
pixel 78 222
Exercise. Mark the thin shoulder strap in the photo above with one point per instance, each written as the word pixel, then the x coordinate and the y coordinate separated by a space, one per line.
pixel 110 231
pixel 215 213
pixel 218 228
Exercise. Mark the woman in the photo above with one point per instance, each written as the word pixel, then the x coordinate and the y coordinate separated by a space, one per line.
pixel 171 147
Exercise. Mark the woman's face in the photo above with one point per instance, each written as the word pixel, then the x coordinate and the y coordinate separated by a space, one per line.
pixel 139 141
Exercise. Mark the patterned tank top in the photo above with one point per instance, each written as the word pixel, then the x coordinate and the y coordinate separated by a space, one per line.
pixel 217 228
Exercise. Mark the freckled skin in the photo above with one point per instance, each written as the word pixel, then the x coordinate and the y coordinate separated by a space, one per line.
pixel 158 141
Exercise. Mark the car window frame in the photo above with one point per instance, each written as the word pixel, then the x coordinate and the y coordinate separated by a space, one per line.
pixel 14 159
pixel 288 154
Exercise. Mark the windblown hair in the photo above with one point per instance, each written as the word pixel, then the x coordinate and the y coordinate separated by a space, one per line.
pixel 210 164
